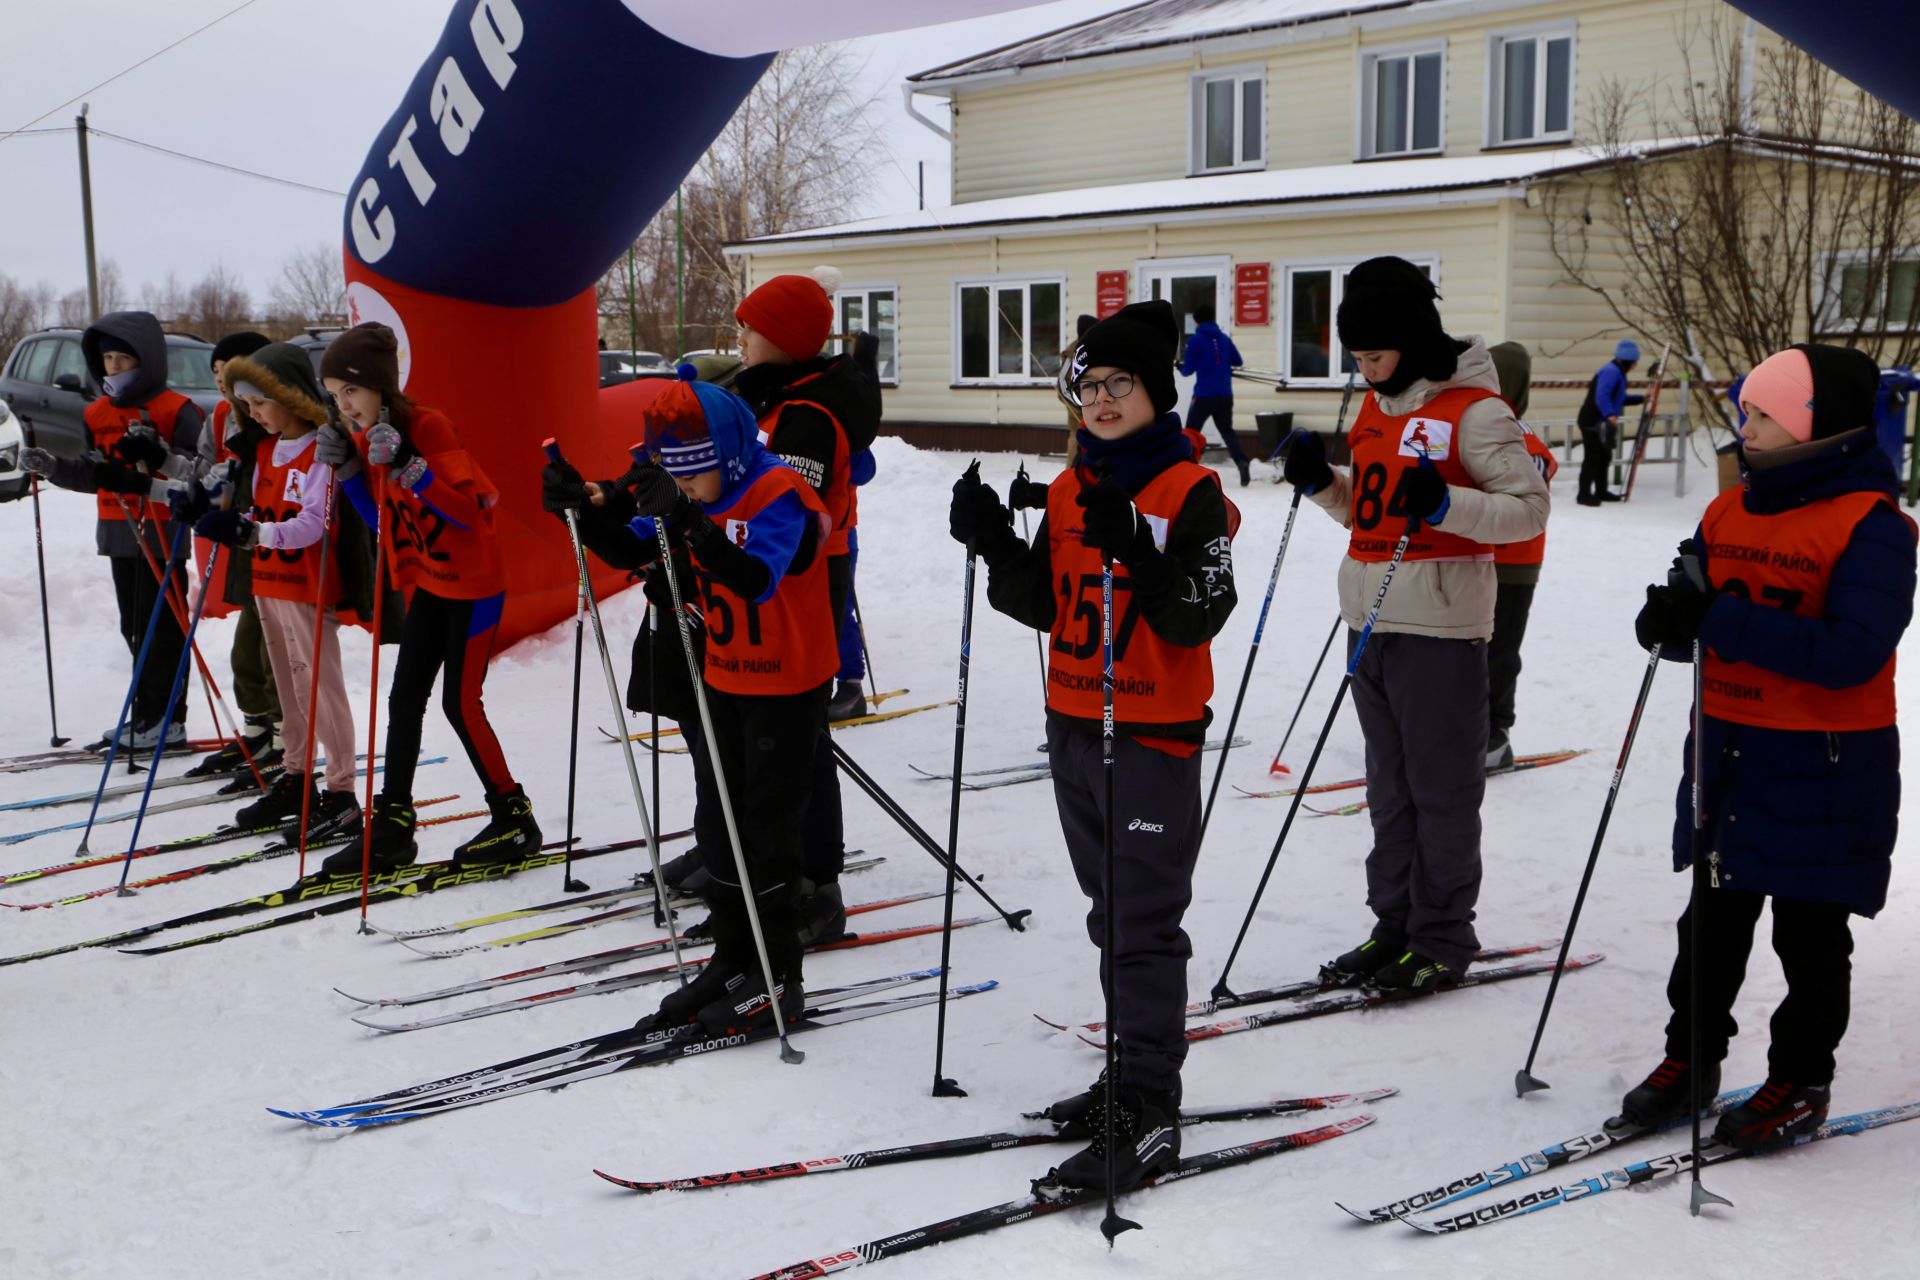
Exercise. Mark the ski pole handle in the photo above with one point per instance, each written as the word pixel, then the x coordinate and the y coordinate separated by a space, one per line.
pixel 551 448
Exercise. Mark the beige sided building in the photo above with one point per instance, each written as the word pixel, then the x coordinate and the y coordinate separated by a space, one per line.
pixel 1186 148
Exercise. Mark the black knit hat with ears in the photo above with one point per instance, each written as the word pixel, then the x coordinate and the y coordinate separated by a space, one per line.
pixel 243 343
pixel 1141 338
pixel 1845 383
pixel 1387 305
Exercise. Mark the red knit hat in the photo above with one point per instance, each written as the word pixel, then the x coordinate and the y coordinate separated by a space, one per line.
pixel 795 313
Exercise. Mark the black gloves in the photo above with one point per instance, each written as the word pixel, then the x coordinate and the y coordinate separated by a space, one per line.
pixel 1426 492
pixel 1113 526
pixel 189 502
pixel 142 446
pixel 1305 464
pixel 228 528
pixel 1026 495
pixel 976 516
pixel 118 477
pixel 561 488
pixel 1673 614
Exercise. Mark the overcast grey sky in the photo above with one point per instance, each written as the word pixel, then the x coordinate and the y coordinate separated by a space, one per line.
pixel 296 89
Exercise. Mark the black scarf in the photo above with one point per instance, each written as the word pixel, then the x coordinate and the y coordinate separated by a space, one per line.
pixel 1133 461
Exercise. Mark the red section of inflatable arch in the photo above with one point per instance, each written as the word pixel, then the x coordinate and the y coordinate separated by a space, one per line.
pixel 510 377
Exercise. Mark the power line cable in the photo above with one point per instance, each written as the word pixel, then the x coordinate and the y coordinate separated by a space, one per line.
pixel 215 164
pixel 245 4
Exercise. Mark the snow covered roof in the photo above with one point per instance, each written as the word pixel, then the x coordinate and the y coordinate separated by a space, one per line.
pixel 1152 24
pixel 1225 196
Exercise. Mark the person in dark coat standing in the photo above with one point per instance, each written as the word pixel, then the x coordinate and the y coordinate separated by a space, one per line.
pixel 1210 359
pixel 1599 422
pixel 1809 584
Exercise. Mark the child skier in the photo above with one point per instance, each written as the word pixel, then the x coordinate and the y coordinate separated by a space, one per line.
pixel 434 510
pixel 273 392
pixel 816 412
pixel 1137 498
pixel 1439 457
pixel 758 535
pixel 1809 582
pixel 140 435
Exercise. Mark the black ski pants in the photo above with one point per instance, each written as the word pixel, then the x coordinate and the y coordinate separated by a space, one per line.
pixel 449 640
pixel 137 593
pixel 767 746
pixel 1156 825
pixel 1814 941
pixel 1219 409
pixel 1511 606
pixel 1422 706
pixel 1596 454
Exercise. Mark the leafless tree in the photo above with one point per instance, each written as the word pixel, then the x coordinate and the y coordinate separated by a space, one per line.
pixel 23 308
pixel 71 309
pixel 1790 209
pixel 312 288
pixel 217 304
pixel 796 154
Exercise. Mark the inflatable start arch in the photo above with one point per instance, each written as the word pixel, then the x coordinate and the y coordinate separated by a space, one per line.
pixel 529 151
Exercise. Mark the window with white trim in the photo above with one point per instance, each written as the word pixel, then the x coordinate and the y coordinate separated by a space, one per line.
pixel 1310 349
pixel 873 309
pixel 1400 104
pixel 1530 86
pixel 1009 329
pixel 1871 294
pixel 1229 121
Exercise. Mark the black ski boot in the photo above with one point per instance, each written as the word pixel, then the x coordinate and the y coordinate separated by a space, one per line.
pixel 823 913
pixel 392 843
pixel 1665 1095
pixel 1069 1115
pixel 1499 754
pixel 335 816
pixel 1146 1142
pixel 258 739
pixel 509 837
pixel 1778 1112
pixel 676 870
pixel 281 803
pixel 1246 471
pixel 849 701
pixel 1350 968
pixel 746 1008
pixel 1413 975
pixel 715 981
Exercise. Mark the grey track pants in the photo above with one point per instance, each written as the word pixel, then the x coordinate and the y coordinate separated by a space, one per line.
pixel 1422 704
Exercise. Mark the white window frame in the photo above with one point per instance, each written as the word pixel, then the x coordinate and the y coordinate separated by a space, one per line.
pixel 1197 118
pixel 1496 82
pixel 865 289
pixel 1336 353
pixel 1025 283
pixel 1369 64
pixel 1832 321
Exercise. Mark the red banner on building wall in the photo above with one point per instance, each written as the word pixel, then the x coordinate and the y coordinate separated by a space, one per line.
pixel 1109 293
pixel 1250 294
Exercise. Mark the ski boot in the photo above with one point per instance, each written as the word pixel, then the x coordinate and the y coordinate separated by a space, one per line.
pixel 745 1007
pixel 678 871
pixel 1146 1143
pixel 848 702
pixel 509 837
pixel 1069 1115
pixel 1246 471
pixel 1412 975
pixel 1499 754
pixel 1664 1096
pixel 1778 1112
pixel 391 845
pixel 335 816
pixel 142 738
pixel 823 913
pixel 1350 968
pixel 280 804
pixel 256 737
pixel 681 1006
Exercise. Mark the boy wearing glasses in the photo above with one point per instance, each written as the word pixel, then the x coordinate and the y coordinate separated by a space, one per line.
pixel 1136 498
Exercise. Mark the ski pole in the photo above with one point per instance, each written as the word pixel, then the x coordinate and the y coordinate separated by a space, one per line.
pixel 1113 1224
pixel 133 686
pixel 1698 1196
pixel 46 626
pixel 313 684
pixel 1015 920
pixel 860 625
pixel 1524 1081
pixel 176 602
pixel 942 1086
pixel 1276 767
pixel 173 691
pixel 373 678
pixel 1020 496
pixel 1220 988
pixel 788 1053
pixel 653 743
pixel 619 711
pixel 567 881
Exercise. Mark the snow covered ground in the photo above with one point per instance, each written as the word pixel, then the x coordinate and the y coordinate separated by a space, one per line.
pixel 135 1142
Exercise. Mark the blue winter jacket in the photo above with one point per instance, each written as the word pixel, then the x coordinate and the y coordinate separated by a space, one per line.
pixel 1809 815
pixel 1610 394
pixel 1210 360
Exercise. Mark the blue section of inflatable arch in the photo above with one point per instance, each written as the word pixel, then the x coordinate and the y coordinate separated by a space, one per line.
pixel 1867 41
pixel 532 186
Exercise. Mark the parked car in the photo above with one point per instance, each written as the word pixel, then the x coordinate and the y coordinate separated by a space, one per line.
pixel 13 481
pixel 617 367
pixel 46 383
